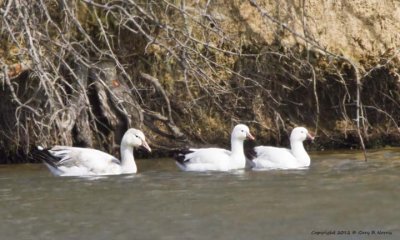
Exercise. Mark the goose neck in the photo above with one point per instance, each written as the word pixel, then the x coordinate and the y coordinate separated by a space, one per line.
pixel 299 152
pixel 237 147
pixel 238 157
pixel 127 160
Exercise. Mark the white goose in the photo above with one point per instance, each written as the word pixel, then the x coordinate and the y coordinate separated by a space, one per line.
pixel 282 158
pixel 217 159
pixel 75 161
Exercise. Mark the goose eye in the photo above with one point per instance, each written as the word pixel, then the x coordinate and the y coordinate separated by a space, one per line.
pixel 137 136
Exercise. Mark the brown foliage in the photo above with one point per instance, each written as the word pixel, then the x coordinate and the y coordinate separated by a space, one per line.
pixel 82 72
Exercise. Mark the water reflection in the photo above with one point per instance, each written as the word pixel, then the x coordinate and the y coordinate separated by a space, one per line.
pixel 338 192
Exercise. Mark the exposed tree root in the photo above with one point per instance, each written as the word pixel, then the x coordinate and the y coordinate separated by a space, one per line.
pixel 82 72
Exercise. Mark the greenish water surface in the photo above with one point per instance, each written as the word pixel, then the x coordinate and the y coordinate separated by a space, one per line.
pixel 339 197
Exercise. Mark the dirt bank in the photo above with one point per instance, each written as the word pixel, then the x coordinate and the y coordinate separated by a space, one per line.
pixel 82 72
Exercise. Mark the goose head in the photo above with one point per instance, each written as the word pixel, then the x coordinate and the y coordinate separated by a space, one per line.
pixel 135 138
pixel 241 132
pixel 300 134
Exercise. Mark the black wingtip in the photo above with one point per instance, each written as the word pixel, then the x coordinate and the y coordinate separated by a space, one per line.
pixel 250 153
pixel 180 155
pixel 249 150
pixel 43 154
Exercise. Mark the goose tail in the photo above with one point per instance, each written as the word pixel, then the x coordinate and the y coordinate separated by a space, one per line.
pixel 43 154
pixel 180 157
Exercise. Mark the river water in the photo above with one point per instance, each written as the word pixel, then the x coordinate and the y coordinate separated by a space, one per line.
pixel 339 197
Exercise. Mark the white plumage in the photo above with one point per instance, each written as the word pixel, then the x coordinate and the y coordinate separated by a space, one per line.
pixel 281 158
pixel 217 159
pixel 75 161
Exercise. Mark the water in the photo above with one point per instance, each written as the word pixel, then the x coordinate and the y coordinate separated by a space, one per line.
pixel 340 192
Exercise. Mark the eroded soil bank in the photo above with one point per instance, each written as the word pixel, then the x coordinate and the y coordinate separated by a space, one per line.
pixel 82 72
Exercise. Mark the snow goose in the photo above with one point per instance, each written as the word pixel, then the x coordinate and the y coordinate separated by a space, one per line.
pixel 265 157
pixel 75 161
pixel 216 159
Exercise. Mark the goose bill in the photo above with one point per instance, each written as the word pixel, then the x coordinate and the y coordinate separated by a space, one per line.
pixel 249 136
pixel 311 137
pixel 146 146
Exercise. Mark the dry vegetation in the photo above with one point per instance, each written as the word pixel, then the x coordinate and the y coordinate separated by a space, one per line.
pixel 81 72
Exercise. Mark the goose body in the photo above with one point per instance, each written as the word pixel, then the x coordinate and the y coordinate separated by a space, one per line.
pixel 216 159
pixel 76 161
pixel 266 157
